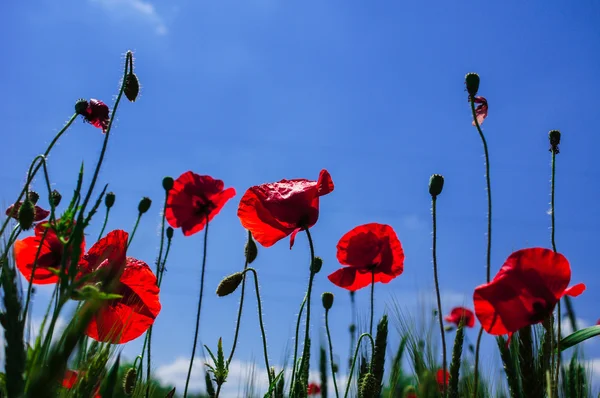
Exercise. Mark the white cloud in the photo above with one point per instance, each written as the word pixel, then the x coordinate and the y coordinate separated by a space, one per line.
pixel 240 375
pixel 139 8
pixel 566 329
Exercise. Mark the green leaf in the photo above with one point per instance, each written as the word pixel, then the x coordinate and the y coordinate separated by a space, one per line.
pixel 579 336
pixel 273 385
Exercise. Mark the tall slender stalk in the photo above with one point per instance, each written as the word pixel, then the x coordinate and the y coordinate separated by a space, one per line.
pixel 355 356
pixel 554 141
pixel 372 301
pixel 437 286
pixel 331 352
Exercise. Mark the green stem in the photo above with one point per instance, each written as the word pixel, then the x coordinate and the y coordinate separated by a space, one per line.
pixel 437 285
pixel 164 262
pixel 553 239
pixel 33 269
pixel 104 223
pixel 294 365
pixel 354 359
pixel 372 301
pixel 331 352
pixel 135 227
pixel 260 321
pixel 311 279
pixel 189 374
pixel 31 175
pixel 489 232
pixel 239 315
pixel 352 327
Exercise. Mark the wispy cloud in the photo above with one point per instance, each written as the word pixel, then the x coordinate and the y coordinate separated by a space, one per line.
pixel 136 8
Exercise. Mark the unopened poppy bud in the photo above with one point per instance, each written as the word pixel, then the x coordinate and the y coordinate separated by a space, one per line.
pixel 129 381
pixel 448 328
pixel 436 183
pixel 251 250
pixel 168 183
pixel 229 284
pixel 132 86
pixel 316 265
pixel 334 367
pixel 368 386
pixel 109 200
pixel 554 137
pixel 26 214
pixel 55 197
pixel 81 107
pixel 33 196
pixel 472 82
pixel 352 328
pixel 169 233
pixel 144 205
pixel 327 300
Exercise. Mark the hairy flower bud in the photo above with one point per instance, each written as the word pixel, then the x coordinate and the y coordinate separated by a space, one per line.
pixel 167 183
pixel 81 107
pixel 251 250
pixel 316 265
pixel 352 328
pixel 33 196
pixel 472 82
pixel 26 214
pixel 132 86
pixel 144 205
pixel 129 381
pixel 229 284
pixel 55 197
pixel 368 386
pixel 436 183
pixel 327 299
pixel 554 137
pixel 109 200
pixel 169 233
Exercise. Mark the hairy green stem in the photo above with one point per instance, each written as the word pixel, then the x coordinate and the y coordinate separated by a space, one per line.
pixel 33 269
pixel 239 315
pixel 372 301
pixel 104 223
pixel 294 364
pixel 135 227
pixel 354 359
pixel 331 352
pixel 437 287
pixel 189 374
pixel 553 239
pixel 311 279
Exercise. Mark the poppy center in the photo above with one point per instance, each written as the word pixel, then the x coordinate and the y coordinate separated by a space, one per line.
pixel 203 207
pixel 541 310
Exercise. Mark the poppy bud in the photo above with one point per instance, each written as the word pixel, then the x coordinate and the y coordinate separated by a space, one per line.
pixel 33 196
pixel 554 137
pixel 327 300
pixel 368 386
pixel 168 183
pixel 109 200
pixel 129 381
pixel 132 86
pixel 229 284
pixel 316 265
pixel 436 183
pixel 144 205
pixel 334 367
pixel 352 328
pixel 448 328
pixel 169 233
pixel 251 250
pixel 55 197
pixel 472 82
pixel 26 214
pixel 81 107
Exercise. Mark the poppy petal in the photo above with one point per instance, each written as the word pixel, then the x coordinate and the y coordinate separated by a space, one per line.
pixel 253 215
pixel 575 290
pixel 25 251
pixel 325 183
pixel 113 247
pixel 293 237
pixel 350 279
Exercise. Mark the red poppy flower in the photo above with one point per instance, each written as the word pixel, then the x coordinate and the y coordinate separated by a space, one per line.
pixel 481 111
pixel 126 318
pixel 370 250
pixel 97 114
pixel 443 378
pixel 313 389
pixel 458 313
pixel 71 377
pixel 598 322
pixel 410 394
pixel 50 255
pixel 40 214
pixel 525 291
pixel 192 199
pixel 276 210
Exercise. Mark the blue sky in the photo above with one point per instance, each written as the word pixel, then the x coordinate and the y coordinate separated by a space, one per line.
pixel 256 91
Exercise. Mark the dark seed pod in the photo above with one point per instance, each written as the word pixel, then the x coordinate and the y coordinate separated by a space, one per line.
pixel 132 86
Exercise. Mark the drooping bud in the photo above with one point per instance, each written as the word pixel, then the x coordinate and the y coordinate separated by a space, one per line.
pixel 109 200
pixel 327 299
pixel 229 284
pixel 167 183
pixel 55 197
pixel 26 214
pixel 251 250
pixel 368 386
pixel 132 86
pixel 352 328
pixel 316 265
pixel 81 107
pixel 144 205
pixel 97 114
pixel 33 196
pixel 129 381
pixel 554 137
pixel 169 233
pixel 472 82
pixel 436 183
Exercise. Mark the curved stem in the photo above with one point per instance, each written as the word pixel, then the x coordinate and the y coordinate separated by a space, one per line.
pixel 187 380
pixel 135 227
pixel 489 232
pixel 558 315
pixel 437 285
pixel 260 321
pixel 32 174
pixel 294 364
pixel 331 352
pixel 355 356
pixel 239 315
pixel 104 223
